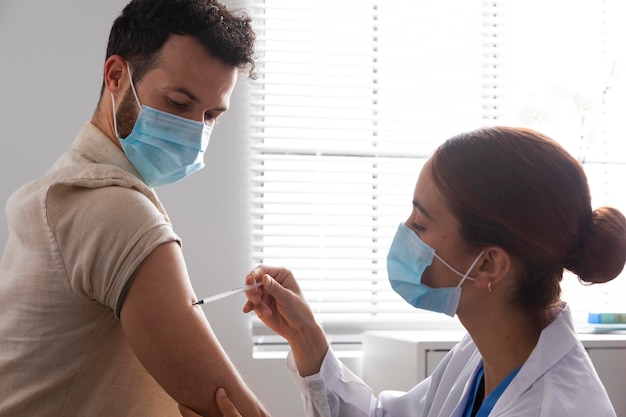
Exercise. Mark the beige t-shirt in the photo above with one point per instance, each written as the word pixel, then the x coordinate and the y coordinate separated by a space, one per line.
pixel 76 237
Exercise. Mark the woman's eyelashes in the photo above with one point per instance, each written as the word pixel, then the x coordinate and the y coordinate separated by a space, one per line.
pixel 417 228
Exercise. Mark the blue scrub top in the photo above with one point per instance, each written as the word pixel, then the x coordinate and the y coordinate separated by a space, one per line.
pixel 491 399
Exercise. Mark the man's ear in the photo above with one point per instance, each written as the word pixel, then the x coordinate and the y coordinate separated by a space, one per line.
pixel 116 77
pixel 493 267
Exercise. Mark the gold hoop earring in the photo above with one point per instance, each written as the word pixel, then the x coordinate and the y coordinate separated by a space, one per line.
pixel 492 289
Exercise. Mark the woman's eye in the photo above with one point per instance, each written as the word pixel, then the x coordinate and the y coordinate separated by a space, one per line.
pixel 418 229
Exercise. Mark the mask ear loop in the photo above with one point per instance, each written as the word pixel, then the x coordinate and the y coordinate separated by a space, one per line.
pixel 466 275
pixel 132 86
pixel 114 116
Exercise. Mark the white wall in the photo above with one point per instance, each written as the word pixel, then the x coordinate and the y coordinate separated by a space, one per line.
pixel 51 58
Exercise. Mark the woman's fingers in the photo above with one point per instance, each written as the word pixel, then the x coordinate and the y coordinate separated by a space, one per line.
pixel 225 405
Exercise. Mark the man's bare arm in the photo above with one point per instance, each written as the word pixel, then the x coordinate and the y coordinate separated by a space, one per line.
pixel 174 340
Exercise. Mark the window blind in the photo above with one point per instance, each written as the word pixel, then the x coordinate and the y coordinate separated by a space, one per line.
pixel 352 98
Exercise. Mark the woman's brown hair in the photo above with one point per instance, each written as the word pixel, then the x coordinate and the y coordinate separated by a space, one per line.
pixel 522 191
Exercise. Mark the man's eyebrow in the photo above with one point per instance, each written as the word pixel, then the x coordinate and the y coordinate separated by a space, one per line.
pixel 186 92
pixel 421 209
pixel 192 97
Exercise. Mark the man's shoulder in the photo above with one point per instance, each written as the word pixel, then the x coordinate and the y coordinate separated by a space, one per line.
pixel 78 178
pixel 72 170
pixel 99 188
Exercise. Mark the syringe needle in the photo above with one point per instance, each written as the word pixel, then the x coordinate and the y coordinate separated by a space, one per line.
pixel 228 293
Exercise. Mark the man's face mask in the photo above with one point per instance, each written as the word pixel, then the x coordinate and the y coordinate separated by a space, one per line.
pixel 163 148
pixel 408 257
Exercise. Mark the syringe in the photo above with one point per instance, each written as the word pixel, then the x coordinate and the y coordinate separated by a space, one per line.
pixel 228 293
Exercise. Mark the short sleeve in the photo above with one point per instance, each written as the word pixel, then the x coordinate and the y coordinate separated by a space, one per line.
pixel 103 234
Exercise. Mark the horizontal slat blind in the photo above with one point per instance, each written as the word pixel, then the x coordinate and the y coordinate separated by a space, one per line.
pixel 342 98
pixel 352 97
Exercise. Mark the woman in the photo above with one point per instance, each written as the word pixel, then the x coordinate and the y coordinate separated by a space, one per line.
pixel 498 214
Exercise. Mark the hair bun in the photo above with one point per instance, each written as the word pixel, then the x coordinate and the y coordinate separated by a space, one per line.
pixel 603 247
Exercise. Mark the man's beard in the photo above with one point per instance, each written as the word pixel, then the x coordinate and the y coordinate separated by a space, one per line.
pixel 126 114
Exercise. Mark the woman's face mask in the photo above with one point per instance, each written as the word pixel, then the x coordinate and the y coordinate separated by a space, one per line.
pixel 164 148
pixel 408 257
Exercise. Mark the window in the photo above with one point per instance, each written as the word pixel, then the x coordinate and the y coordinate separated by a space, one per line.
pixel 354 95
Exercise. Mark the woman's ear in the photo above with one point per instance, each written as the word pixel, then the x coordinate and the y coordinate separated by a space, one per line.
pixel 116 78
pixel 494 265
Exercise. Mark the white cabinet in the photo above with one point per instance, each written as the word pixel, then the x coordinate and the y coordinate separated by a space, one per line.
pixel 400 359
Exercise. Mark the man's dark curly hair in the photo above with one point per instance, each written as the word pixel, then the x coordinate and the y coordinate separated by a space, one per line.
pixel 139 32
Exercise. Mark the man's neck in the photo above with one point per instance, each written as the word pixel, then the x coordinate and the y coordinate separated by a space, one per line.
pixel 103 120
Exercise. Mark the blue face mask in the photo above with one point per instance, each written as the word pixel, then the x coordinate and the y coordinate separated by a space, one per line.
pixel 408 257
pixel 164 148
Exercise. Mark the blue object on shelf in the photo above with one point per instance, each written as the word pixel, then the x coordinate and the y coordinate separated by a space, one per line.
pixel 607 318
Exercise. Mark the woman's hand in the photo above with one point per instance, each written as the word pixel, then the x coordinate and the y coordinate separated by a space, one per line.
pixel 223 402
pixel 280 304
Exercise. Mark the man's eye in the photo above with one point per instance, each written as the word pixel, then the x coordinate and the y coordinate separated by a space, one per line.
pixel 209 119
pixel 177 104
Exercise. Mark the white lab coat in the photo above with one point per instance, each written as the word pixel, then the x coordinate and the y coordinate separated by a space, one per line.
pixel 557 380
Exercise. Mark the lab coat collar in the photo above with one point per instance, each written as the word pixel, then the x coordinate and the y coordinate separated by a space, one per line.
pixel 543 358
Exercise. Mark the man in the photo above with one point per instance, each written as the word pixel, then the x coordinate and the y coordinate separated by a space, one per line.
pixel 95 301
